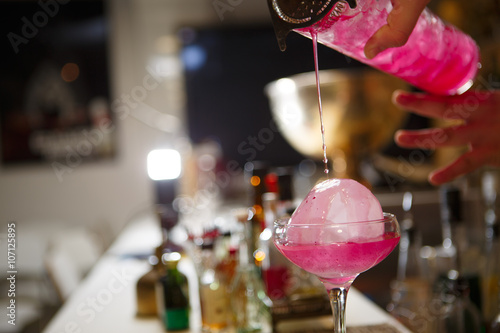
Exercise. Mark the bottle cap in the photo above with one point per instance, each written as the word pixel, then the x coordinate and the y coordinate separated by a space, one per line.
pixel 269 197
pixel 295 14
pixel 171 257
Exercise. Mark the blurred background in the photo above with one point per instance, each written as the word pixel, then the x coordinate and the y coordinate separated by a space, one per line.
pixel 88 88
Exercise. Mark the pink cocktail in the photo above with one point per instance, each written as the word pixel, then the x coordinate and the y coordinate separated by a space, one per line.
pixel 337 252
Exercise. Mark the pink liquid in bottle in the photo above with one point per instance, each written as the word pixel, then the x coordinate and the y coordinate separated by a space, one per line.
pixel 437 58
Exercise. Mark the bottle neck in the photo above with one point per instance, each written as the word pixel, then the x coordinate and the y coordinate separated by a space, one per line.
pixel 170 261
pixel 492 233
pixel 453 228
pixel 245 248
pixel 286 205
pixel 409 264
pixel 270 205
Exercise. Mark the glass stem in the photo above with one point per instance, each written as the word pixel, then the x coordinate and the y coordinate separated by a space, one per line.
pixel 338 297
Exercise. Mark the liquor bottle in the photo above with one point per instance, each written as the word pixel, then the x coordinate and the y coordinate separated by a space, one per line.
pixel 274 266
pixel 226 255
pixel 495 325
pixel 286 204
pixel 458 313
pixel 256 173
pixel 491 281
pixel 463 256
pixel 249 301
pixel 173 295
pixel 410 292
pixel 453 233
pixel 146 287
pixel 227 266
pixel 491 305
pixel 169 218
pixel 214 292
pixel 300 285
pixel 458 285
pixel 409 261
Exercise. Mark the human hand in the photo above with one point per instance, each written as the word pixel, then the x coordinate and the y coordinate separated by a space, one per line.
pixel 479 129
pixel 400 23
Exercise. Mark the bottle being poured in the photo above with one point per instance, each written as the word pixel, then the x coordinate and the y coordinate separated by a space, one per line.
pixel 437 58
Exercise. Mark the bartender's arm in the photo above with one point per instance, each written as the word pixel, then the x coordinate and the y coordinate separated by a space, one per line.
pixel 479 131
pixel 478 110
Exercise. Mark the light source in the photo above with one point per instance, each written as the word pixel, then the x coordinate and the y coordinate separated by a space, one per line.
pixel 164 167
pixel 164 164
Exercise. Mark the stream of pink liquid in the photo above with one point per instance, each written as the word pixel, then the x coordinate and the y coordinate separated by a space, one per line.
pixel 316 70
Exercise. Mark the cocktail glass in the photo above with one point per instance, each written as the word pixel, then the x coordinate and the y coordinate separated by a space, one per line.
pixel 337 252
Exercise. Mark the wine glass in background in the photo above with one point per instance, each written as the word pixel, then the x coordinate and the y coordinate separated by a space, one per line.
pixel 337 252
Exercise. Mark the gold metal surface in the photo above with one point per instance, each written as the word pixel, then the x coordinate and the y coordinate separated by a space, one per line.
pixel 359 117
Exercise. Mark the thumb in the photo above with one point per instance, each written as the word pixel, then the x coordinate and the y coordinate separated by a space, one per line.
pixel 400 23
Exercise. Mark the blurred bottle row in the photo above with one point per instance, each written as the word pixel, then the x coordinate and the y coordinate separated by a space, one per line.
pixel 453 287
pixel 244 283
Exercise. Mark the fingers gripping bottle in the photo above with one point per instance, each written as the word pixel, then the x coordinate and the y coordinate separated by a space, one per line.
pixel 437 58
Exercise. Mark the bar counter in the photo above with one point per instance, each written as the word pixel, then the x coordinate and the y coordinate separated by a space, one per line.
pixel 105 301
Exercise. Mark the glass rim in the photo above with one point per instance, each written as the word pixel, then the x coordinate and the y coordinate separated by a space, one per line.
pixel 283 222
